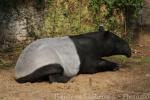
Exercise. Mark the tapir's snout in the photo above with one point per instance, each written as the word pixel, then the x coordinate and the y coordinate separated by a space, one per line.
pixel 123 49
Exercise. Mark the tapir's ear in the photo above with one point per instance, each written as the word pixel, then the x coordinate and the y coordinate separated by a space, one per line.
pixel 101 28
pixel 101 31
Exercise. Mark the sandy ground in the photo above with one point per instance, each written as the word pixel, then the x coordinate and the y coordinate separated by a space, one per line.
pixel 131 82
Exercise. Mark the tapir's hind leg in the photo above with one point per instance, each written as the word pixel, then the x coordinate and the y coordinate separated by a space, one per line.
pixel 42 73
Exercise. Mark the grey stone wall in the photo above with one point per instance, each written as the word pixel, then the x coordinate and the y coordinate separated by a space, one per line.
pixel 12 25
pixel 17 23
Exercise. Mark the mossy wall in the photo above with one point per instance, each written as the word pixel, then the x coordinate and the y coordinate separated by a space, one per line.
pixel 32 19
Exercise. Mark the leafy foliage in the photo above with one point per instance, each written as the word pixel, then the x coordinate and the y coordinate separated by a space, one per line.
pixel 129 8
pixel 117 4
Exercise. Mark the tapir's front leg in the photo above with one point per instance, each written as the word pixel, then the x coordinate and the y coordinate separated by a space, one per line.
pixel 104 65
pixel 98 65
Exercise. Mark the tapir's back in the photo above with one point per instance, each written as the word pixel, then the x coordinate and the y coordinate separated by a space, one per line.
pixel 48 51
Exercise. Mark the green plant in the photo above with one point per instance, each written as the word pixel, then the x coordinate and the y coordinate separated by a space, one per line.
pixel 49 2
pixel 95 4
pixel 129 8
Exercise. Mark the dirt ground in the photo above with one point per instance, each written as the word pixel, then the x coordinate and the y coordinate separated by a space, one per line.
pixel 131 82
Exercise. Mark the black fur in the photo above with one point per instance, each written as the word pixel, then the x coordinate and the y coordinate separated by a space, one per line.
pixel 95 66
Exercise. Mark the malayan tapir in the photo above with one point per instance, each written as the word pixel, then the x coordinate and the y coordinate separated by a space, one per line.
pixel 59 59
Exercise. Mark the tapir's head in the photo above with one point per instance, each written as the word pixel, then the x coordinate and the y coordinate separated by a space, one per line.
pixel 110 44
